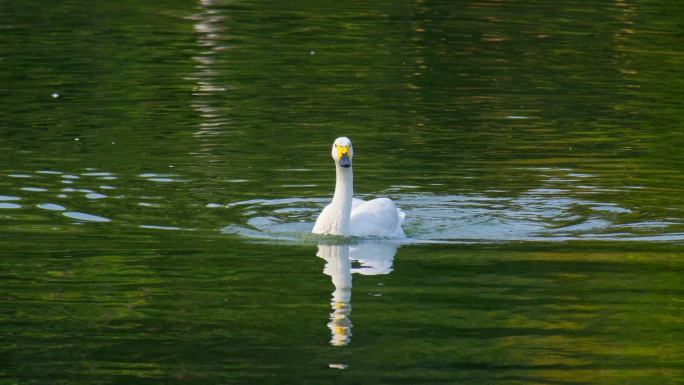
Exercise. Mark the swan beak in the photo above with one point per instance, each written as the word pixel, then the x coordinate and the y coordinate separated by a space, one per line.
pixel 344 161
pixel 343 156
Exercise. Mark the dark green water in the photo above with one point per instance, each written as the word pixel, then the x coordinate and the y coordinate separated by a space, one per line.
pixel 161 166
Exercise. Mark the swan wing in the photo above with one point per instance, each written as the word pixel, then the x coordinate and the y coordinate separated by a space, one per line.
pixel 324 220
pixel 356 202
pixel 378 217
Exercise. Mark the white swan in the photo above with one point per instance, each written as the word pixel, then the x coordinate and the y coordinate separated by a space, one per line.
pixel 348 216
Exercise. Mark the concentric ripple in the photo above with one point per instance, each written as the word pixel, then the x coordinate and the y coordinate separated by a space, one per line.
pixel 536 215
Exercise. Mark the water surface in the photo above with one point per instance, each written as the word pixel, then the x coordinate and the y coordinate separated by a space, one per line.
pixel 161 166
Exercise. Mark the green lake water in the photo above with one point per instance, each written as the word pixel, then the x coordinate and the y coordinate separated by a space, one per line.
pixel 162 164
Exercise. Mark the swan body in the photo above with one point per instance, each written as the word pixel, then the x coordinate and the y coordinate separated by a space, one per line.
pixel 348 216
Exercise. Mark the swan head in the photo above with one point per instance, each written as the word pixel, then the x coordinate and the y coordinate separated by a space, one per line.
pixel 342 151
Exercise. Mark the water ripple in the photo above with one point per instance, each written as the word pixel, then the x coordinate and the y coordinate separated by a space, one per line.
pixel 536 215
pixel 51 206
pixel 85 217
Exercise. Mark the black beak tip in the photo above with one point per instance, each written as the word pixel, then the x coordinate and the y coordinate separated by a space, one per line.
pixel 344 161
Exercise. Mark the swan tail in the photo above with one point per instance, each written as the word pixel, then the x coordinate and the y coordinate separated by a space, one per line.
pixel 402 216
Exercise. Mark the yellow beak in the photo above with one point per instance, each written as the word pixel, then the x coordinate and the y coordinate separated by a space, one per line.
pixel 342 150
pixel 343 156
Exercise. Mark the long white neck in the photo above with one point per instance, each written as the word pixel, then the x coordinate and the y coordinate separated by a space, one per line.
pixel 342 200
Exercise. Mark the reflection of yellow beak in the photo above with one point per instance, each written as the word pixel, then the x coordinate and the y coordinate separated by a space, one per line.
pixel 342 150
pixel 340 331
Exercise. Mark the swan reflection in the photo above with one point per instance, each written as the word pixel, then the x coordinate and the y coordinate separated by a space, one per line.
pixel 370 258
